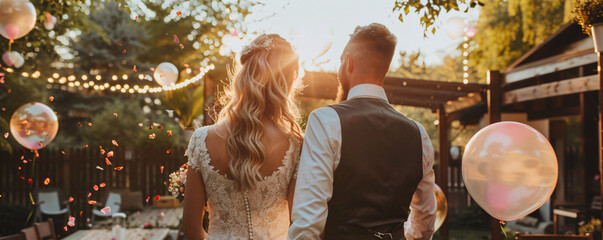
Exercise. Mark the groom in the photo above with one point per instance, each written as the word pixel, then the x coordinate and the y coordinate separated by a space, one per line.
pixel 364 165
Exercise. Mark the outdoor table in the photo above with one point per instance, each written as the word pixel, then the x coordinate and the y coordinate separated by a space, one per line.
pixel 131 233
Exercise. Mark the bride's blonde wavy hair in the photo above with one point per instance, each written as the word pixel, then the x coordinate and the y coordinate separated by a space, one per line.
pixel 264 86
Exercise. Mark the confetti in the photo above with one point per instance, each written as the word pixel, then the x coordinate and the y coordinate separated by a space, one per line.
pixel 115 143
pixel 102 151
pixel 79 123
pixel 118 43
pixel 162 214
pixel 89 194
pixel 124 51
pixel 51 98
pixel 157 198
pixel 152 136
pixel 91 202
pixel 150 127
pixel 71 222
pixel 134 69
pixel 107 162
pixel 110 154
pixel 63 152
pixel 99 168
pixel 135 17
pixel 169 133
pixel 87 219
pixel 176 40
pixel 168 151
pixel 46 181
pixel 178 13
pixel 148 199
pixel 71 199
pixel 181 46
pixel 152 69
pixel 106 210
pixel 186 65
pixel 160 127
pixel 29 181
pixel 140 124
pixel 161 168
pixel 102 185
pixel 0 195
pixel 119 168
pixel 89 124
pixel 115 114
pixel 86 146
pixel 65 228
pixel 95 187
pixel 6 135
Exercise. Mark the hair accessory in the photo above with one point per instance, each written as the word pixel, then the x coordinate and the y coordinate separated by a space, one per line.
pixel 266 45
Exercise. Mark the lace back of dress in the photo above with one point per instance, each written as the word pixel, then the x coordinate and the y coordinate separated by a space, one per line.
pixel 249 225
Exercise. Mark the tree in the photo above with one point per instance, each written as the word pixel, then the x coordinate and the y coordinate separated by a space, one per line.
pixel 187 104
pixel 429 10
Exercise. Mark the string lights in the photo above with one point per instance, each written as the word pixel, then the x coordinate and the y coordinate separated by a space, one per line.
pixel 89 82
pixel 465 53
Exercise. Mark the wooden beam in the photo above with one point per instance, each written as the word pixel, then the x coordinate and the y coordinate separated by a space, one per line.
pixel 600 68
pixel 444 160
pixel 588 116
pixel 463 102
pixel 429 85
pixel 494 110
pixel 549 65
pixel 565 87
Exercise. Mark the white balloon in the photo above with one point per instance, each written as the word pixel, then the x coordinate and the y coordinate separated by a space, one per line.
pixel 16 59
pixel 17 18
pixel 455 27
pixel 166 74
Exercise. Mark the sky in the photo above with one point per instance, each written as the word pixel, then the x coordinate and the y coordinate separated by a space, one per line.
pixel 333 20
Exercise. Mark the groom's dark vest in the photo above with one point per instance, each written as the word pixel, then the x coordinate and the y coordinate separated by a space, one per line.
pixel 378 173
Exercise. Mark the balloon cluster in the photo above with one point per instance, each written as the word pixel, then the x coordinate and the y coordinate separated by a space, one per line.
pixel 50 21
pixel 510 170
pixel 17 19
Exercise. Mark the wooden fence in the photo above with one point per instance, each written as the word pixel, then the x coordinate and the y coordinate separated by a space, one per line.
pixel 76 171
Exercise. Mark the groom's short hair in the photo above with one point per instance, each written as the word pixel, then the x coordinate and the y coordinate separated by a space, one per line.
pixel 377 42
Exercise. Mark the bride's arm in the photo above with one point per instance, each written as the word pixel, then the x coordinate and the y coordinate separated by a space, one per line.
pixel 194 201
pixel 290 197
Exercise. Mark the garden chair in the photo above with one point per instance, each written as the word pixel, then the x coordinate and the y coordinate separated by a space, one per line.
pixel 30 233
pixel 552 237
pixel 18 236
pixel 113 201
pixel 45 230
pixel 49 204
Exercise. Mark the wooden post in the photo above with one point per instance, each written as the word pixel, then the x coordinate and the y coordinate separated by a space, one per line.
pixel 600 68
pixel 494 111
pixel 444 159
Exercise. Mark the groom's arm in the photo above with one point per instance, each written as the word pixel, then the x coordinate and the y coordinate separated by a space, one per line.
pixel 314 188
pixel 420 224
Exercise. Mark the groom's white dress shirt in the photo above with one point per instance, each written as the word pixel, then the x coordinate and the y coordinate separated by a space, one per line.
pixel 319 158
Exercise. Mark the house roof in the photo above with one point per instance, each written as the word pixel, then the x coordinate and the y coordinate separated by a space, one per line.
pixel 556 44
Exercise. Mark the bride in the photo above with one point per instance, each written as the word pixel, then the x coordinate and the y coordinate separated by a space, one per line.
pixel 244 166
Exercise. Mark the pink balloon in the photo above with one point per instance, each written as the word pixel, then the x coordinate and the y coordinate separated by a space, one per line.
pixel 34 125
pixel 12 31
pixel 510 169
pixel 6 59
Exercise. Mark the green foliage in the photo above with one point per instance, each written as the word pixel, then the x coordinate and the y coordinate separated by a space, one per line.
pixel 509 29
pixel 588 12
pixel 430 10
pixel 187 104
pixel 593 226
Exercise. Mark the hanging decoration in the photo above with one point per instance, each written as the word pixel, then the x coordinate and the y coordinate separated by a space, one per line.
pixel 510 169
pixel 93 82
pixel 166 74
pixel 13 58
pixel 34 125
pixel 17 18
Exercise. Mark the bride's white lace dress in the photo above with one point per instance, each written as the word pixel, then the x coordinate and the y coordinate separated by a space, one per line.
pixel 227 210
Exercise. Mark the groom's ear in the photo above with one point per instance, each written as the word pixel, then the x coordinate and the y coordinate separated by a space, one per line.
pixel 350 63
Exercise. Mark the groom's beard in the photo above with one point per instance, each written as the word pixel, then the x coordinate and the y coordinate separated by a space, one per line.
pixel 342 93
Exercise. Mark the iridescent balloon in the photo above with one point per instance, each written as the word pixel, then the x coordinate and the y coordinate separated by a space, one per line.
pixel 34 125
pixel 17 18
pixel 510 169
pixel 442 207
pixel 166 74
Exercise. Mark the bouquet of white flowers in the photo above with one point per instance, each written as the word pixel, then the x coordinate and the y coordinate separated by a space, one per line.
pixel 177 182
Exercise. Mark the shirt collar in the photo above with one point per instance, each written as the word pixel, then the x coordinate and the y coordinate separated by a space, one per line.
pixel 367 91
